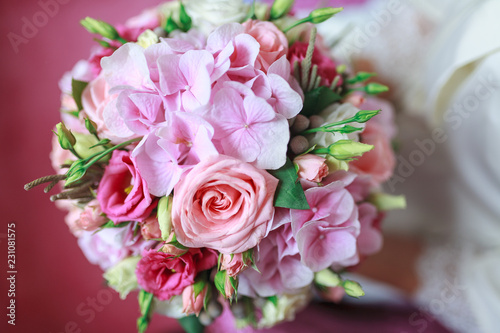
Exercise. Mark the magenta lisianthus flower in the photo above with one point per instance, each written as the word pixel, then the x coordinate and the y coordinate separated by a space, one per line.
pixel 224 204
pixel 122 192
pixel 166 275
pixel 279 263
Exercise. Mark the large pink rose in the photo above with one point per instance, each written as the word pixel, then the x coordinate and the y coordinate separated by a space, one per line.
pixel 273 42
pixel 223 204
pixel 166 275
pixel 122 192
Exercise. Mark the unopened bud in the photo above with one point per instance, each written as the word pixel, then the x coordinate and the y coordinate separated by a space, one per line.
pixel 375 88
pixel 322 14
pixel 299 144
pixel 280 8
pixel 66 138
pixel 327 278
pixel 347 149
pixel 353 289
pixel 165 216
pixel 100 27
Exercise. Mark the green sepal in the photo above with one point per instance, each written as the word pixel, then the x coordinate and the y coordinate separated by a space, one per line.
pixel 170 25
pixel 220 282
pixel 360 77
pixel 199 285
pixel 273 299
pixel 185 19
pixel 289 193
pixel 77 88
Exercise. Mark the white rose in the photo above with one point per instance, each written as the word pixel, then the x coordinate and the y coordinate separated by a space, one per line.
pixel 288 306
pixel 209 14
pixel 332 114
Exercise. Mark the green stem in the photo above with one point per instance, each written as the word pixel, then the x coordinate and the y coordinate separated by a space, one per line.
pixel 121 40
pixel 96 157
pixel 299 22
pixel 321 151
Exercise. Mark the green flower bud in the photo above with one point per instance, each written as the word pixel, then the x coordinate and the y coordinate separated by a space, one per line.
pixel 361 77
pixel 327 278
pixel 100 27
pixel 165 216
pixel 386 202
pixel 91 126
pixel 323 14
pixel 75 172
pixel 346 150
pixel 122 278
pixel 353 289
pixel 66 138
pixel 375 88
pixel 147 38
pixel 280 8
pixel 86 145
pixel 364 115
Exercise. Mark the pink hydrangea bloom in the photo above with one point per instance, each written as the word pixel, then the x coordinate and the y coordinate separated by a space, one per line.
pixel 278 261
pixel 165 275
pixel 370 238
pixel 247 127
pixel 326 234
pixel 163 156
pixel 109 246
pixel 122 192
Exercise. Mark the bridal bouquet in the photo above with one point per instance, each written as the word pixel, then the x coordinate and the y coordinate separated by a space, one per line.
pixel 216 159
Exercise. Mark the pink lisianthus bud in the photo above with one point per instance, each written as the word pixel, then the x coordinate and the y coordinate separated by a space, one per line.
pixel 311 167
pixel 192 304
pixel 333 294
pixel 92 217
pixel 150 229
pixel 235 265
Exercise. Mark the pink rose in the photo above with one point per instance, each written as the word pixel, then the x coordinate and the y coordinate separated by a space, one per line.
pixel 223 204
pixel 95 98
pixel 311 167
pixel 273 42
pixel 165 275
pixel 150 228
pixel 235 265
pixel 190 303
pixel 91 217
pixel 327 68
pixel 379 162
pixel 122 192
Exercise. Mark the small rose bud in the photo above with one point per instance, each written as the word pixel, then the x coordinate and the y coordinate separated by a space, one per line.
pixel 299 144
pixel 92 217
pixel 311 167
pixel 316 121
pixel 301 124
pixel 150 229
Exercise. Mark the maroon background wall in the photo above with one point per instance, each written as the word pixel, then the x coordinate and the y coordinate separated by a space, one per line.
pixel 57 290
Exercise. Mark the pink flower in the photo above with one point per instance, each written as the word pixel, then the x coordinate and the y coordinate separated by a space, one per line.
pixel 333 294
pixel 247 127
pixel 370 238
pixel 150 228
pixel 223 204
pixel 278 261
pixel 177 145
pixel 326 234
pixel 233 264
pixel 109 246
pixel 165 275
pixel 326 66
pixel 273 42
pixel 311 167
pixel 91 217
pixel 186 79
pixel 190 303
pixel 122 192
pixel 379 162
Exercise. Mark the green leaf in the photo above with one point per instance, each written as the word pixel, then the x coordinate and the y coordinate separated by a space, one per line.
pixel 77 88
pixel 273 299
pixel 176 243
pixel 289 193
pixel 170 25
pixel 191 324
pixel 198 287
pixel 185 19
pixel 111 224
pixel 220 282
pixel 145 302
pixel 360 77
pixel 319 99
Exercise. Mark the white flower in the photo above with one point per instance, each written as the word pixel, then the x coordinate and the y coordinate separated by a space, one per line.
pixel 209 14
pixel 171 308
pixel 288 306
pixel 121 277
pixel 332 114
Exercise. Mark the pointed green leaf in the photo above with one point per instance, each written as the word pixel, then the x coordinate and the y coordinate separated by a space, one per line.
pixel 191 324
pixel 319 99
pixel 289 193
pixel 220 282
